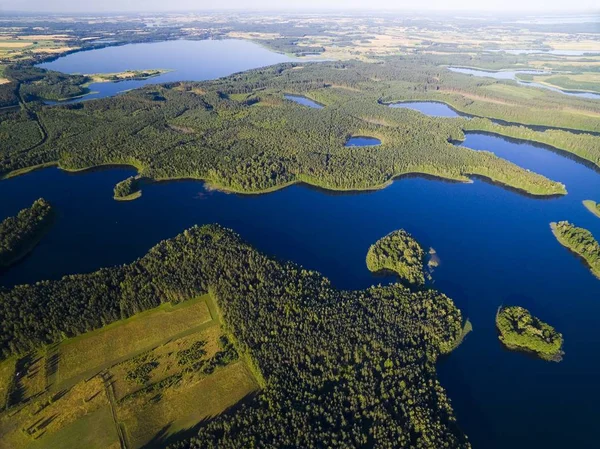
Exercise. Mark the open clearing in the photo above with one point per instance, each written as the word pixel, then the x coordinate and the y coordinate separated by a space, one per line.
pixel 88 354
pixel 185 405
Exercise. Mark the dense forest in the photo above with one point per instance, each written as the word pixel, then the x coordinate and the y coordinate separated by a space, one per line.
pixel 518 329
pixel 239 134
pixel 398 252
pixel 20 234
pixel 337 368
pixel 580 241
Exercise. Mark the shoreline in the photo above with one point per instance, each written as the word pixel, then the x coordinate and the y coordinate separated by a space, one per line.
pixel 466 178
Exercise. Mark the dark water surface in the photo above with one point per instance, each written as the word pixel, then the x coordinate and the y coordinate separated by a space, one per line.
pixel 495 247
pixel 187 60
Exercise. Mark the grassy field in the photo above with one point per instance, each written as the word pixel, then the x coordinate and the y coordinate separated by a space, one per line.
pixel 88 354
pixel 50 416
pixel 165 355
pixel 94 431
pixel 186 405
pixel 7 372
pixel 13 48
pixel 32 380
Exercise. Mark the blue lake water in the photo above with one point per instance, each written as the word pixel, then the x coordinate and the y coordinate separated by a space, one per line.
pixel 495 247
pixel 187 60
pixel 512 75
pixel 304 101
pixel 362 141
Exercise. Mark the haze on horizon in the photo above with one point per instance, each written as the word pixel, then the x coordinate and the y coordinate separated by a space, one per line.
pixel 506 6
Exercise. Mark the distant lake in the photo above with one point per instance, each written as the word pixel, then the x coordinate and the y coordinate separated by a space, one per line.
pixel 512 75
pixel 187 60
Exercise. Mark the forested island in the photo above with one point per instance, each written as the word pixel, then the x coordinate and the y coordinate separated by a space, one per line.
pixel 238 133
pixel 398 252
pixel 21 233
pixel 580 241
pixel 128 189
pixel 593 207
pixel 358 366
pixel 520 330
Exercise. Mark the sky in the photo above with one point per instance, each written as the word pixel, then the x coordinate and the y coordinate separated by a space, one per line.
pixel 197 5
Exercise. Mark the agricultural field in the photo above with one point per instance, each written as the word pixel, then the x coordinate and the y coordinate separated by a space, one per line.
pixel 122 385
pixel 15 48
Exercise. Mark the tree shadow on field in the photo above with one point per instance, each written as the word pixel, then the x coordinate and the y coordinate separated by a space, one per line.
pixel 163 438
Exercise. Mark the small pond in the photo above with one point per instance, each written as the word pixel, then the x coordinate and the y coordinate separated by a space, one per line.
pixel 362 141
pixel 303 101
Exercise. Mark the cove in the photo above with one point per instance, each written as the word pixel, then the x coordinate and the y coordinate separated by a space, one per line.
pixel 187 60
pixel 495 247
pixel 512 75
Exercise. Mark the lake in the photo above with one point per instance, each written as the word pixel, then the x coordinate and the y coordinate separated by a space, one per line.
pixel 187 60
pixel 495 247
pixel 431 108
pixel 512 75
pixel 303 101
pixel 362 141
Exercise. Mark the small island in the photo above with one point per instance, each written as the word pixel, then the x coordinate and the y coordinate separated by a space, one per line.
pixel 21 233
pixel 128 189
pixel 127 75
pixel 519 330
pixel 398 252
pixel 593 207
pixel 580 241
